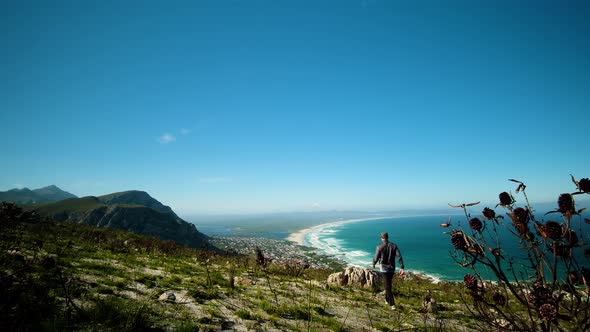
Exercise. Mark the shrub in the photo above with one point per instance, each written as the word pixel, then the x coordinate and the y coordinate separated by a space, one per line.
pixel 527 274
pixel 114 312
pixel 244 314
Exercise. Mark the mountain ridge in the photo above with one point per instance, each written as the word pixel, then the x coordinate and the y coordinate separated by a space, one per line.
pixel 137 197
pixel 51 193
pixel 133 210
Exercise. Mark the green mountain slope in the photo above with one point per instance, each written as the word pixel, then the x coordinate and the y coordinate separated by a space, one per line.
pixel 75 277
pixel 129 214
pixel 53 193
pixel 26 196
pixel 139 198
pixel 66 207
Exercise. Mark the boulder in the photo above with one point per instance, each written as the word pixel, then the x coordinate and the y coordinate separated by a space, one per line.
pixel 168 296
pixel 177 296
pixel 356 277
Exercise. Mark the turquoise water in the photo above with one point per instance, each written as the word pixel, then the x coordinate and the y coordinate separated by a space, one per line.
pixel 423 243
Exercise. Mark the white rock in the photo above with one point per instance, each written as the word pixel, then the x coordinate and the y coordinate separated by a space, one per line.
pixel 356 277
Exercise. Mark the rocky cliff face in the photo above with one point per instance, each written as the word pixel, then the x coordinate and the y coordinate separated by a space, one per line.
pixel 146 221
pixel 129 215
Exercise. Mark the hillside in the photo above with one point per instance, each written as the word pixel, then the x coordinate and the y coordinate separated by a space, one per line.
pixel 50 193
pixel 63 276
pixel 138 198
pixel 124 211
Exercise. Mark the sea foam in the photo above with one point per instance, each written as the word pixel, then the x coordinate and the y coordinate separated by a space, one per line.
pixel 325 238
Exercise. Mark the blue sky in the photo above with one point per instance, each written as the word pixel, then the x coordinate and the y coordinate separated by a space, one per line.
pixel 265 106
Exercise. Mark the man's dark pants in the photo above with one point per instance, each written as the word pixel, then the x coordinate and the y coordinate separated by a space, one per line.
pixel 387 282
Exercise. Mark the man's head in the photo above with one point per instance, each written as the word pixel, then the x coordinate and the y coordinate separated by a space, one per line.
pixel 384 236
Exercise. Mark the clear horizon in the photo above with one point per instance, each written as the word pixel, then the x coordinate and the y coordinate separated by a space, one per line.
pixel 253 107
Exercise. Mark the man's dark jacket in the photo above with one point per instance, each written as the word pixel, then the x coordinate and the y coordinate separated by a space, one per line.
pixel 386 253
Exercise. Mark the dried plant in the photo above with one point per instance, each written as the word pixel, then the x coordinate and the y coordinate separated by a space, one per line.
pixel 263 262
pixel 292 267
pixel 543 284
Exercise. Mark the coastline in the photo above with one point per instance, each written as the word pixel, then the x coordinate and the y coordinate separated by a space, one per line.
pixel 298 237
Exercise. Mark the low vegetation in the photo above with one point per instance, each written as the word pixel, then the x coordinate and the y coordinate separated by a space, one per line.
pixel 67 276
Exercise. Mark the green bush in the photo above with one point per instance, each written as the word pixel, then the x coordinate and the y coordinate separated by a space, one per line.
pixel 244 314
pixel 120 313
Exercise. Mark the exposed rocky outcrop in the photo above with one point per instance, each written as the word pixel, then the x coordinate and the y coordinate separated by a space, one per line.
pixel 130 216
pixel 356 277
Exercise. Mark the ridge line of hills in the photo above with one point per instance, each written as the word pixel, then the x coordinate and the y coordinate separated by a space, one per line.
pixel 133 210
pixel 25 195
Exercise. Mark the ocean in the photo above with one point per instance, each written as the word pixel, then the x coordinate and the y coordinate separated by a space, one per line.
pixel 425 247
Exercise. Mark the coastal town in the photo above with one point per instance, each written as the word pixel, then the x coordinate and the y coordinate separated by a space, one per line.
pixel 278 251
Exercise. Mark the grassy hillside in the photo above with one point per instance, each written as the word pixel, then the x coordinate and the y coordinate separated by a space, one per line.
pixel 70 205
pixel 137 197
pixel 24 195
pixel 128 214
pixel 66 276
pixel 62 276
pixel 53 193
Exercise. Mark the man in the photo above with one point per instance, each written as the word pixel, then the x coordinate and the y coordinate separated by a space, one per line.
pixel 386 253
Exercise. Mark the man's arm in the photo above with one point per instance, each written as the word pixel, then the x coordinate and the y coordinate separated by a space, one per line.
pixel 400 260
pixel 377 257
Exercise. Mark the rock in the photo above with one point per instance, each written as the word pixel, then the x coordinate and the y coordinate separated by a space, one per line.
pixel 244 281
pixel 356 277
pixel 168 296
pixel 337 279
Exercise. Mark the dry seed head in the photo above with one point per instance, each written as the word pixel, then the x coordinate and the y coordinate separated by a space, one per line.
pixel 470 281
pixel 489 213
pixel 499 299
pixel 552 230
pixel 505 199
pixel 475 224
pixel 521 215
pixel 540 294
pixel 458 240
pixel 584 185
pixel 548 312
pixel 566 204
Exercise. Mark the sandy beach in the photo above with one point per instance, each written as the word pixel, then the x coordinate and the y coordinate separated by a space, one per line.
pixel 299 236
pixel 352 257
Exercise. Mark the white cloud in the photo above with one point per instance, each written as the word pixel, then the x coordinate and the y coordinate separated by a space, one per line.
pixel 18 185
pixel 185 131
pixel 166 138
pixel 315 205
pixel 214 179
